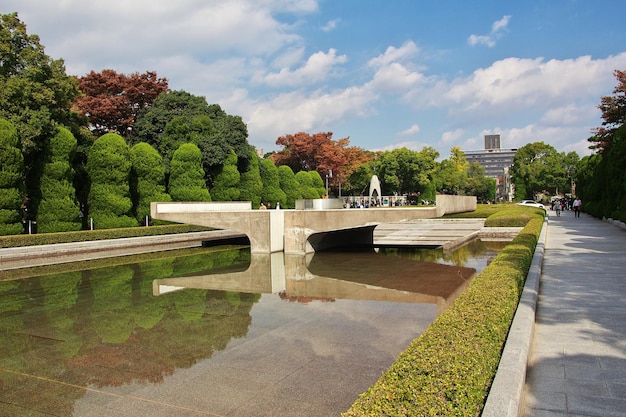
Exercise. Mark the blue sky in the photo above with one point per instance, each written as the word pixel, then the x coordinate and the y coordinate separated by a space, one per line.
pixel 387 74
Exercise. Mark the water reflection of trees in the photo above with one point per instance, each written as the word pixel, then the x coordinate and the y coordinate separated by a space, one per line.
pixel 459 257
pixel 103 327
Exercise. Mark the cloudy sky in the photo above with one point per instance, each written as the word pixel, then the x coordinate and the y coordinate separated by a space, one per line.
pixel 386 73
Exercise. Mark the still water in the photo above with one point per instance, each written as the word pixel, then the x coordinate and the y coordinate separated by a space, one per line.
pixel 220 333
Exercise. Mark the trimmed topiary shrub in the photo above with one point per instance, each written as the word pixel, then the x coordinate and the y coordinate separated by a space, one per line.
pixel 108 166
pixel 305 186
pixel 251 184
pixel 11 179
pixel 58 208
pixel 271 184
pixel 187 176
pixel 148 174
pixel 226 184
pixel 289 185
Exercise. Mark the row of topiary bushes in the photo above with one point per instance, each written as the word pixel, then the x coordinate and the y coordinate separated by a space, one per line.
pixel 449 369
pixel 100 234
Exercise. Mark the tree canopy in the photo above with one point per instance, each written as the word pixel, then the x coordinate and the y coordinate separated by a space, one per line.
pixel 35 92
pixel 112 101
pixel 613 114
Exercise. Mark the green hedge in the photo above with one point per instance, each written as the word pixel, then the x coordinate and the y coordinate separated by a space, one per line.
pixel 101 234
pixel 449 369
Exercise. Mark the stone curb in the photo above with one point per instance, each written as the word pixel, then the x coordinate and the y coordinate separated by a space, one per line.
pixel 505 396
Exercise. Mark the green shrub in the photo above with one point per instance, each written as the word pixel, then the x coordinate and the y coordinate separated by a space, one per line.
pixel 148 177
pixel 251 184
pixel 449 369
pixel 11 179
pixel 187 176
pixel 98 234
pixel 58 208
pixel 226 184
pixel 109 166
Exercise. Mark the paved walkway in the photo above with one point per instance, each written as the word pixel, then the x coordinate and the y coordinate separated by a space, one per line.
pixel 577 361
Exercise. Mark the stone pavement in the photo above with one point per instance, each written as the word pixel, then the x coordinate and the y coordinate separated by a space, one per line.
pixel 577 359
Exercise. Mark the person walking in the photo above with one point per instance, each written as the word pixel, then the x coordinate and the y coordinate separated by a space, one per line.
pixel 557 207
pixel 578 204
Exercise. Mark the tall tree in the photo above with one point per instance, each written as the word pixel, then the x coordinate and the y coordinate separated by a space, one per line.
pixel 109 169
pixel 58 209
pixel 187 176
pixel 36 94
pixel 112 101
pixel 613 114
pixel 317 152
pixel 178 117
pixel 11 179
pixel 538 167
pixel 148 177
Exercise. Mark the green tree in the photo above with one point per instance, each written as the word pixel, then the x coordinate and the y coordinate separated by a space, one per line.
pixel 531 170
pixel 601 180
pixel 226 183
pixel 289 185
pixel 11 179
pixel 58 208
pixel 148 177
pixel 251 184
pixel 452 176
pixel 187 176
pixel 271 184
pixel 484 188
pixel 109 167
pixel 178 117
pixel 36 95
pixel 306 186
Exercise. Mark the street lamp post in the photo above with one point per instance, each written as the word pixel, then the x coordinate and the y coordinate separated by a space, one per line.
pixel 329 175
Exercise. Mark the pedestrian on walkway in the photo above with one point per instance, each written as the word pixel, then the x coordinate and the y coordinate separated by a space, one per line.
pixel 557 207
pixel 578 205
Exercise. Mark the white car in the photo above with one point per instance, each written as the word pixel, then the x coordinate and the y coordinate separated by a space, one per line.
pixel 531 203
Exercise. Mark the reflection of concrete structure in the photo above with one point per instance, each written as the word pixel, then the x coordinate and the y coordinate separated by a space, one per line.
pixel 356 276
pixel 302 231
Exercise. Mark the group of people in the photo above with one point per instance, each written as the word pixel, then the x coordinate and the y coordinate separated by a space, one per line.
pixel 560 204
pixel 269 206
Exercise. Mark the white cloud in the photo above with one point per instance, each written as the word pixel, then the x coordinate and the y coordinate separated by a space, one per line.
pixel 496 32
pixel 393 54
pixel 331 25
pixel 317 68
pixel 300 111
pixel 410 131
pixel 516 82
pixel 451 137
pixel 412 145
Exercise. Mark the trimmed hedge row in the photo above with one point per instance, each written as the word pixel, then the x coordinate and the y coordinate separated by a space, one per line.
pixel 449 369
pixel 99 234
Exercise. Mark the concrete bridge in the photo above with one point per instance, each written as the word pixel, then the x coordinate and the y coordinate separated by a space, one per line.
pixel 303 230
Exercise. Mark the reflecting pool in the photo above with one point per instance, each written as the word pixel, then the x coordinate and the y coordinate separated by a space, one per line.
pixel 219 332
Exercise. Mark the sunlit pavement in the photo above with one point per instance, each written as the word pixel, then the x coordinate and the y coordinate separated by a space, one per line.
pixel 577 362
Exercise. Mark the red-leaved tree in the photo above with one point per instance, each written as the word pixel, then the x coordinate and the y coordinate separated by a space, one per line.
pixel 112 101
